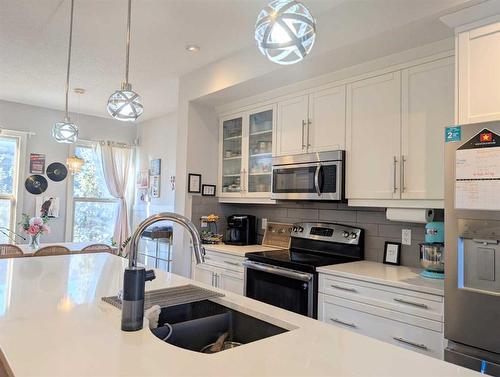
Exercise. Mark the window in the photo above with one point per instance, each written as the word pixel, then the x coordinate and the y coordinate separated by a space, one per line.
pixel 9 162
pixel 94 208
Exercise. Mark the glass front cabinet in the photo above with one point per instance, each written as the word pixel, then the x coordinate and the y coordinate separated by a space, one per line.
pixel 247 143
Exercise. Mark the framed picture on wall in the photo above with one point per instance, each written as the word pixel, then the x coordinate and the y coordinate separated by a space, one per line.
pixel 392 253
pixel 194 183
pixel 142 179
pixel 37 163
pixel 155 186
pixel 208 190
pixel 155 167
pixel 47 206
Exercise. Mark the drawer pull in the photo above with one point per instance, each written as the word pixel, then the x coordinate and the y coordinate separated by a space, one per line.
pixel 232 263
pixel 343 288
pixel 417 345
pixel 343 323
pixel 417 304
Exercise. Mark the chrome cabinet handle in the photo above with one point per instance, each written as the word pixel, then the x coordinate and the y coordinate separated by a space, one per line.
pixel 213 279
pixel 216 281
pixel 395 162
pixel 308 133
pixel 417 304
pixel 343 288
pixel 316 179
pixel 232 263
pixel 413 344
pixel 403 184
pixel 303 129
pixel 343 323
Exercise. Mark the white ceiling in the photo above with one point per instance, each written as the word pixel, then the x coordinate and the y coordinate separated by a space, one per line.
pixel 33 42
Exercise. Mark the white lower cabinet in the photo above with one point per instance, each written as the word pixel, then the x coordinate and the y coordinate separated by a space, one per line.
pixel 402 317
pixel 221 271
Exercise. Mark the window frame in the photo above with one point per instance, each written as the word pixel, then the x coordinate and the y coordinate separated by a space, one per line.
pixel 70 210
pixel 16 198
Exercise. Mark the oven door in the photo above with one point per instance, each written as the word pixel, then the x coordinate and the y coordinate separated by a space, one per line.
pixel 311 181
pixel 287 289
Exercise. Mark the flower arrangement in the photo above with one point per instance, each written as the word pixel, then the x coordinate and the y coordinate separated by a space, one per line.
pixel 34 227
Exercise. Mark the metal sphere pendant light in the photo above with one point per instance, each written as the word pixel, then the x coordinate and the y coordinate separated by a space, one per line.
pixel 285 31
pixel 125 104
pixel 67 131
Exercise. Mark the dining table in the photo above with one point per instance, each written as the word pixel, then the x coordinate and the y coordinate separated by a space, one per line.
pixel 74 247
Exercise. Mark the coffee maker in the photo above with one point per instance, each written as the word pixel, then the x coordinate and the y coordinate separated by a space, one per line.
pixel 241 230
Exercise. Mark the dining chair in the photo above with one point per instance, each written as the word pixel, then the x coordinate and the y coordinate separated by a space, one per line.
pixel 97 247
pixel 7 249
pixel 51 250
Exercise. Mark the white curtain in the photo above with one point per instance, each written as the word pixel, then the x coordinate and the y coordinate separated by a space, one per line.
pixel 116 164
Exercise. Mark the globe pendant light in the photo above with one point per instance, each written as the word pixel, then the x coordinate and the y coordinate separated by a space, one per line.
pixel 67 131
pixel 125 104
pixel 285 31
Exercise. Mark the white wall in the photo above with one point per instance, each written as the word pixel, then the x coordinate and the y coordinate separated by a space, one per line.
pixel 20 117
pixel 157 139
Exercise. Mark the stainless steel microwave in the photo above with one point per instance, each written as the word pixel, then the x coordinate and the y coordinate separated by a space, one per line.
pixel 310 176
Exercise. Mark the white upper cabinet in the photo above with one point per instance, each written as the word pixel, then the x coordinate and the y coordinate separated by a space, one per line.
pixel 427 108
pixel 326 126
pixel 373 137
pixel 478 74
pixel 292 126
pixel 312 123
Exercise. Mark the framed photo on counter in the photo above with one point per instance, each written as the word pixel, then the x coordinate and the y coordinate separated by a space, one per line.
pixel 194 183
pixel 392 253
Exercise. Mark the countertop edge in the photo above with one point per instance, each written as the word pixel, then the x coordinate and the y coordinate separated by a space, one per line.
pixel 372 279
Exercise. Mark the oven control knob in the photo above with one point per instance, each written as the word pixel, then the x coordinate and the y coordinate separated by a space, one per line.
pixel 345 234
pixel 353 235
pixel 300 229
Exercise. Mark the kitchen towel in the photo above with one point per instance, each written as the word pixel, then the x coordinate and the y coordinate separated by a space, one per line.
pixel 410 215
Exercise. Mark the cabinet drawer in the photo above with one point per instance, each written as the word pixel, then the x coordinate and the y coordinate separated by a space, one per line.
pixel 415 338
pixel 225 261
pixel 402 300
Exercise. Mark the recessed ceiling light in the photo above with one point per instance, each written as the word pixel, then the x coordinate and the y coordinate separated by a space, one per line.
pixel 192 48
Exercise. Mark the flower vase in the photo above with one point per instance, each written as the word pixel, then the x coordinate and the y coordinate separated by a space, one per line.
pixel 34 242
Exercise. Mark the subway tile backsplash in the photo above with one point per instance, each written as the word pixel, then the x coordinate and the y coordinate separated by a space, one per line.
pixel 377 228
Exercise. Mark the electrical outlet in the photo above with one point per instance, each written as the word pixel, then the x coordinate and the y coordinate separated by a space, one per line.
pixel 406 236
pixel 264 223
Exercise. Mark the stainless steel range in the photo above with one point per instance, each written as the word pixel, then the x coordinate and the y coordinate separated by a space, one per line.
pixel 288 278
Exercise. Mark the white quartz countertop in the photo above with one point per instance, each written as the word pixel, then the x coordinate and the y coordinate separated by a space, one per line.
pixel 396 276
pixel 238 250
pixel 53 323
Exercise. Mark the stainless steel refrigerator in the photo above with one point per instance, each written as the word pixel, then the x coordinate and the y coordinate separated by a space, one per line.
pixel 472 246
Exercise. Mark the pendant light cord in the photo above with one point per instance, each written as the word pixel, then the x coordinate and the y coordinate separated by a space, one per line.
pixel 127 57
pixel 69 58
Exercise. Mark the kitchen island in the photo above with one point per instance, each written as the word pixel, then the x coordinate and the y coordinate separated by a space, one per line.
pixel 54 323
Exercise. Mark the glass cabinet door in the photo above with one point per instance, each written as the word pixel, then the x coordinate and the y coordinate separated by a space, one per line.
pixel 260 143
pixel 232 132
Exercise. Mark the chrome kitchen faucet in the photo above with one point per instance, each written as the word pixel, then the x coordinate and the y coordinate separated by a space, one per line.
pixel 134 278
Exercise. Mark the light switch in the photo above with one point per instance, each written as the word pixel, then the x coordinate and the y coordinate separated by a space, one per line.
pixel 406 236
pixel 264 223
